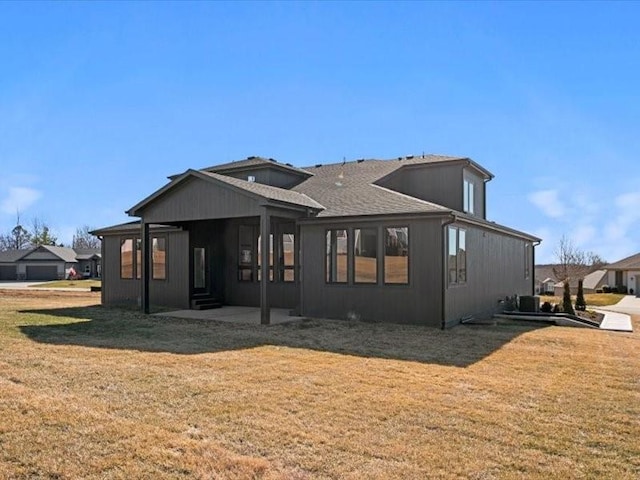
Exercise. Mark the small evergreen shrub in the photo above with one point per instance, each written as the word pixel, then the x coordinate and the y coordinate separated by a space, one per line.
pixel 581 305
pixel 606 289
pixel 545 307
pixel 556 308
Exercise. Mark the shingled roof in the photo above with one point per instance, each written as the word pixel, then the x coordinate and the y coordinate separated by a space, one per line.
pixel 629 263
pixel 349 188
pixel 252 162
pixel 267 191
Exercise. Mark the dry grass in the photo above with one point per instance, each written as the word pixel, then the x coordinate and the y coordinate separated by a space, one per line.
pixel 87 392
pixel 68 284
pixel 592 299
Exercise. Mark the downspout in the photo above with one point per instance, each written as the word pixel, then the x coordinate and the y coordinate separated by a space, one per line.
pixel 444 268
pixel 533 266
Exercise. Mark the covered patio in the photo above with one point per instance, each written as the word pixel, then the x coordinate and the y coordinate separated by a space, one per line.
pixel 231 314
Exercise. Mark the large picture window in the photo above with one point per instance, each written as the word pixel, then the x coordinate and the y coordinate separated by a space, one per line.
pixel 457 256
pixel 336 264
pixel 126 258
pixel 396 255
pixel 365 250
pixel 159 264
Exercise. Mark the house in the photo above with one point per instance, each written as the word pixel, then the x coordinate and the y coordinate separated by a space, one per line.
pixel 590 284
pixel 625 273
pixel 401 240
pixel 545 280
pixel 48 262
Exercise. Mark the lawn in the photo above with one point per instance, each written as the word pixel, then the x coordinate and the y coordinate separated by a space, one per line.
pixel 592 299
pixel 68 284
pixel 88 392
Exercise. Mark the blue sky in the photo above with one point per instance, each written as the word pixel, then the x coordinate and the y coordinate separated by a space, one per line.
pixel 99 102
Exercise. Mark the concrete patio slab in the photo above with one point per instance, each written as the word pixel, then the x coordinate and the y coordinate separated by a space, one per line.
pixel 243 315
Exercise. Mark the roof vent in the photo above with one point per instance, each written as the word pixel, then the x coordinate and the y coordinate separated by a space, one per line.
pixel 252 157
pixel 318 165
pixel 409 157
pixel 360 160
pixel 400 158
pixel 272 160
pixel 288 165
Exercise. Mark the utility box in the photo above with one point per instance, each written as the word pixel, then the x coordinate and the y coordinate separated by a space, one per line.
pixel 529 303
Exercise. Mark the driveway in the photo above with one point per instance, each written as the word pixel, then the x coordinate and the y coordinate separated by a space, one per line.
pixel 629 305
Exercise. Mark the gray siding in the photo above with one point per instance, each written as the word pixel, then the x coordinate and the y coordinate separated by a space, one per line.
pixel 194 199
pixel 267 176
pixel 172 292
pixel 441 184
pixel 495 269
pixel 419 302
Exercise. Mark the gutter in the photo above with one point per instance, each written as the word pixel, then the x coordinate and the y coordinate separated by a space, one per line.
pixel 443 277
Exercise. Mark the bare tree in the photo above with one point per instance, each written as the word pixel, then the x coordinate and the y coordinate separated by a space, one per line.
pixel 573 263
pixel 83 239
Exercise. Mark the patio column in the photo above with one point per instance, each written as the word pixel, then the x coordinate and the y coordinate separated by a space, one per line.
pixel 144 275
pixel 265 231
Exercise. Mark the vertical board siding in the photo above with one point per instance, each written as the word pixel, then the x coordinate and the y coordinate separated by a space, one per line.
pixel 441 184
pixel 495 269
pixel 195 199
pixel 418 303
pixel 172 292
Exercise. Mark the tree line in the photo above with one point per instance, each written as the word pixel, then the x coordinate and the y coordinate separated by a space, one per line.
pixel 38 232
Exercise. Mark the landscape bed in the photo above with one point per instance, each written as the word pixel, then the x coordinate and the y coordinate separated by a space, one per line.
pixel 89 392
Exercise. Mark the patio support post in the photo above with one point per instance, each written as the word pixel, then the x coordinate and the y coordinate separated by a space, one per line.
pixel 146 254
pixel 265 231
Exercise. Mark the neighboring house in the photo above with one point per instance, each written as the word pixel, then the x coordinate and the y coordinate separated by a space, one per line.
pixel 591 282
pixel 545 280
pixel 402 240
pixel 48 262
pixel 625 273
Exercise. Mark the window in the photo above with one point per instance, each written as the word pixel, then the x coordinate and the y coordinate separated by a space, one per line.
pixel 396 255
pixel 126 258
pixel 246 253
pixel 138 258
pixel 457 256
pixel 336 264
pixel 468 195
pixel 159 264
pixel 365 249
pixel 286 262
pixel 270 257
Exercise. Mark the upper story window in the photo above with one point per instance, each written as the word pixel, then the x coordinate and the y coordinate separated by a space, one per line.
pixel 468 196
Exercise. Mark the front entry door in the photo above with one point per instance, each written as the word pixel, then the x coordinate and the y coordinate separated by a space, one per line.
pixel 200 270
